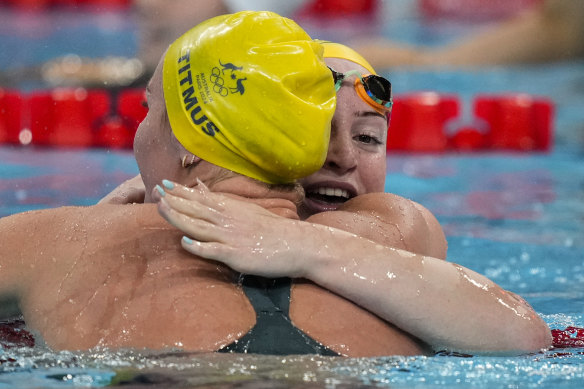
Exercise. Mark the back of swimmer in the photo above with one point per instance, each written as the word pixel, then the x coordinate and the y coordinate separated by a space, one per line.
pixel 116 276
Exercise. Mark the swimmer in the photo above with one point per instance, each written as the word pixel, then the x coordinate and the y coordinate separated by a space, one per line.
pixel 116 276
pixel 394 270
pixel 550 31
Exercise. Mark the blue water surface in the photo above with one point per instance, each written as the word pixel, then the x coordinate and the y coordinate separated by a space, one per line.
pixel 517 218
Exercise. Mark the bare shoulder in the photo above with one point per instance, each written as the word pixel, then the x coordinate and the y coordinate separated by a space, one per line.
pixel 391 220
pixel 36 241
pixel 85 275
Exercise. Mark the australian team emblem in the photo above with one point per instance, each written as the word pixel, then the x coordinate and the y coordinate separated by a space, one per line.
pixel 226 79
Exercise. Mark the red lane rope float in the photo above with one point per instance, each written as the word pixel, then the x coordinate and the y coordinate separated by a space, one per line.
pixel 42 5
pixel 14 334
pixel 571 337
pixel 72 117
pixel 433 122
pixel 339 8
pixel 420 122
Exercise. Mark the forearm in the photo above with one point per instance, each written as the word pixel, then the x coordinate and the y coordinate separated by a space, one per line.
pixel 129 191
pixel 550 32
pixel 445 305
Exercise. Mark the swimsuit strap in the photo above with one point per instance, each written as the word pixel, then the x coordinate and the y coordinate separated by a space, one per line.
pixel 273 333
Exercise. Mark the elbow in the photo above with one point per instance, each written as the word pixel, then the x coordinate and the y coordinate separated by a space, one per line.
pixel 537 337
pixel 531 336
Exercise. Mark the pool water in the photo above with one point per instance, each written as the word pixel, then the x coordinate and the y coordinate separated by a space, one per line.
pixel 518 218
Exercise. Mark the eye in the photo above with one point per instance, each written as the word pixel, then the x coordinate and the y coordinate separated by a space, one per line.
pixel 145 103
pixel 367 139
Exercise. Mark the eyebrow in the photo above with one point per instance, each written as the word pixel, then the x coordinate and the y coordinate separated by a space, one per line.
pixel 369 113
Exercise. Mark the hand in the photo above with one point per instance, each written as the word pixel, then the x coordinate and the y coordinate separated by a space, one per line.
pixel 130 191
pixel 244 236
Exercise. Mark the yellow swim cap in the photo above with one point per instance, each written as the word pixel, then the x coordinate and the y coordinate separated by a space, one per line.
pixel 250 92
pixel 337 50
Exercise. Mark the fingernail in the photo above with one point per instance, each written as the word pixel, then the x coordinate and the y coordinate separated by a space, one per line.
pixel 160 190
pixel 187 240
pixel 167 184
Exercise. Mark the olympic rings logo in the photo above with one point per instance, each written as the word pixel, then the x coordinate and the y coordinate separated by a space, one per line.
pixel 218 82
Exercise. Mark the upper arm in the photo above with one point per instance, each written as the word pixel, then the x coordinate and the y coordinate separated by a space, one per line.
pixel 436 244
pixel 33 245
pixel 16 233
pixel 389 220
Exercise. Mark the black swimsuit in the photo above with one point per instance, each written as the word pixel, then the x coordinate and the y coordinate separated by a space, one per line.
pixel 273 333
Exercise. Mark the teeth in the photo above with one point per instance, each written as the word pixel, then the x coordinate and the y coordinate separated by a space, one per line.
pixel 333 192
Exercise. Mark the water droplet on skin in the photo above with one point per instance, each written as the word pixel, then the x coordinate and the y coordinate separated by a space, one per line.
pixel 405 254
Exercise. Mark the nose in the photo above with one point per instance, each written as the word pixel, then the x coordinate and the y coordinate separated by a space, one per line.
pixel 342 156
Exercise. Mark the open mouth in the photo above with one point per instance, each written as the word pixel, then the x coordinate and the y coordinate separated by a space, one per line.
pixel 328 195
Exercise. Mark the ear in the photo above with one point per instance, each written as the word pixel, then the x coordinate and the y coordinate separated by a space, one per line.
pixel 188 160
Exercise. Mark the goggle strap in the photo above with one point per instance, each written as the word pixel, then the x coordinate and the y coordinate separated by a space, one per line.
pixel 340 79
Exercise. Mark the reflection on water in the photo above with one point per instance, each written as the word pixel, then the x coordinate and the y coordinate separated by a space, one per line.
pixel 536 252
pixel 517 218
pixel 41 368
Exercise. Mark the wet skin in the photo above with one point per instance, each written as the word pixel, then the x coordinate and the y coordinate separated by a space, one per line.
pixel 355 162
pixel 116 276
pixel 398 272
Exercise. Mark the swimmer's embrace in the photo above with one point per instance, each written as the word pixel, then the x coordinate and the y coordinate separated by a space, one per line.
pixel 116 276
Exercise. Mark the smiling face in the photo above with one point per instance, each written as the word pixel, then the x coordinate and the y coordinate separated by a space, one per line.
pixel 355 162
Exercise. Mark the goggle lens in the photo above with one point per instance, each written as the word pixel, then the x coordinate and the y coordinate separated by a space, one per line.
pixel 377 88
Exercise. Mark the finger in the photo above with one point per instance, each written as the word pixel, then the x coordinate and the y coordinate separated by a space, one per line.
pixel 200 193
pixel 195 209
pixel 192 201
pixel 221 203
pixel 208 250
pixel 213 251
pixel 197 228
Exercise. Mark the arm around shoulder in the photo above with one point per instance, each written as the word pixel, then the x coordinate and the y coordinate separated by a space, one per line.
pixel 420 293
pixel 390 220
